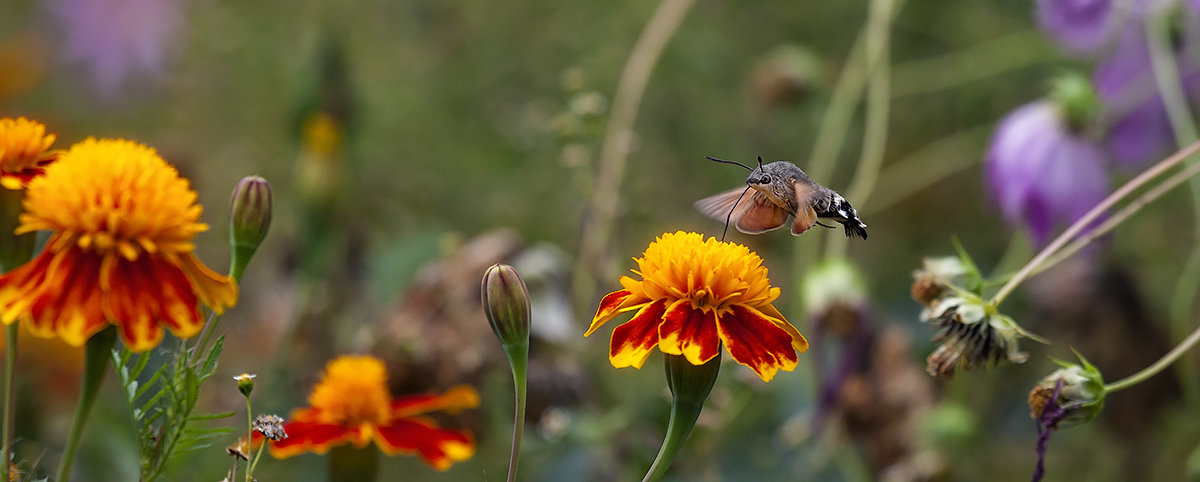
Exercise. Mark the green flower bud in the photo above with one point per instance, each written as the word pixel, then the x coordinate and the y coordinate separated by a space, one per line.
pixel 1080 399
pixel 249 219
pixel 245 383
pixel 506 303
pixel 1077 100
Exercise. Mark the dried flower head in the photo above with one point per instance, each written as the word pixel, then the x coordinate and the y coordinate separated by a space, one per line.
pixel 973 333
pixel 270 426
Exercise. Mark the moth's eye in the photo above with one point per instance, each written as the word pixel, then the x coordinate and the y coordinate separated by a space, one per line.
pixel 765 179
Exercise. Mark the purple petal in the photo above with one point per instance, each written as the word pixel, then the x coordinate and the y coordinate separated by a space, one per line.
pixel 1079 26
pixel 118 39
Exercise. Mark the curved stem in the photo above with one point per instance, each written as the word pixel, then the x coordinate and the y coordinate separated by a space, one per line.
pixel 1169 83
pixel 875 133
pixel 1158 366
pixel 690 385
pixel 518 358
pixel 10 392
pixel 614 149
pixel 96 355
pixel 1108 202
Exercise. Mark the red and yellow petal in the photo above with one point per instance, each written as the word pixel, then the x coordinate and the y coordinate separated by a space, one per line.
pixel 612 305
pixel 437 446
pixel 756 341
pixel 798 340
pixel 455 399
pixel 55 295
pixel 146 294
pixel 316 437
pixel 216 291
pixel 633 341
pixel 689 332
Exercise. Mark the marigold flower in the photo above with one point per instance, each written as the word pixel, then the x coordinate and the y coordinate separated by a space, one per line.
pixel 24 151
pixel 694 295
pixel 121 251
pixel 351 405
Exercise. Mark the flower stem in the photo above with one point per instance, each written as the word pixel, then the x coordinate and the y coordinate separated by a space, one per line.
pixel 690 385
pixel 875 134
pixel 614 149
pixel 10 392
pixel 1168 81
pixel 1158 366
pixel 518 359
pixel 1078 226
pixel 96 355
pixel 250 439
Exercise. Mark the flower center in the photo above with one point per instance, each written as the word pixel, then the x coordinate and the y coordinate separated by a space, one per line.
pixel 711 274
pixel 353 391
pixel 114 196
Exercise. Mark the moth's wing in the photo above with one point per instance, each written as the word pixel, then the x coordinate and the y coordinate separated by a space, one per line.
pixel 759 216
pixel 718 206
pixel 806 195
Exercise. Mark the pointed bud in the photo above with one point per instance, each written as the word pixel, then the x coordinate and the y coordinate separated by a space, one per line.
pixel 245 383
pixel 506 303
pixel 249 220
pixel 1072 395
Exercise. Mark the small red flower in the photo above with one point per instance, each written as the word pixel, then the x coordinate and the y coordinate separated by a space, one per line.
pixel 351 405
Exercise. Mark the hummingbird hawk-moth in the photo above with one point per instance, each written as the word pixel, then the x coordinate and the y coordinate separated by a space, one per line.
pixel 782 191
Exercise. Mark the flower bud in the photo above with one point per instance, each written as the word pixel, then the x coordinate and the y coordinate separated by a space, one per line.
pixel 1073 394
pixel 245 383
pixel 506 303
pixel 249 219
pixel 932 282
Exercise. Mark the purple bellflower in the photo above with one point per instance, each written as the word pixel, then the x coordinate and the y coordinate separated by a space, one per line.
pixel 1041 171
pixel 1080 27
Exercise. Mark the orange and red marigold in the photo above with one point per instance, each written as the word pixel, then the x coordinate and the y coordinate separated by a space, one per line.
pixel 121 251
pixel 694 295
pixel 351 405
pixel 24 151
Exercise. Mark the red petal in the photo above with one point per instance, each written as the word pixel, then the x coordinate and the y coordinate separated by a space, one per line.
pixel 689 332
pixel 757 342
pixel 312 437
pixel 633 340
pixel 611 305
pixel 455 399
pixel 437 446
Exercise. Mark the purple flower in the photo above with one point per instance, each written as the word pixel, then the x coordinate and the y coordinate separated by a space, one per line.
pixel 1041 172
pixel 117 39
pixel 1079 26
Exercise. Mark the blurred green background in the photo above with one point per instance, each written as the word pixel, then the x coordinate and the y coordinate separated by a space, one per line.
pixel 454 119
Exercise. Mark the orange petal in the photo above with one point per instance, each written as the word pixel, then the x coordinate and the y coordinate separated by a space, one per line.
pixel 611 305
pixel 215 290
pixel 756 341
pixel 455 399
pixel 438 447
pixel 689 332
pixel 633 341
pixel 312 437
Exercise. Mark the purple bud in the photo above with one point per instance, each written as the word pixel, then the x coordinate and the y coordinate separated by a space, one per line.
pixel 506 303
pixel 1079 26
pixel 1042 173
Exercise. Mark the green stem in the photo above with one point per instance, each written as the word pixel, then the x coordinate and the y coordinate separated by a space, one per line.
pixel 1087 219
pixel 690 385
pixel 614 149
pixel 1158 366
pixel 1168 81
pixel 875 133
pixel 250 439
pixel 96 354
pixel 10 392
pixel 518 359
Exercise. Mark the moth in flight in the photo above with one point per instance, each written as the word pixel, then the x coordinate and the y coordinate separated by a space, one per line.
pixel 781 191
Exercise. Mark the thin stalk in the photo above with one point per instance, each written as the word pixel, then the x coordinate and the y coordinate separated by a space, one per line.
pixel 1084 221
pixel 1168 81
pixel 614 149
pixel 683 419
pixel 878 110
pixel 690 385
pixel 1158 366
pixel 10 392
pixel 518 358
pixel 249 439
pixel 96 355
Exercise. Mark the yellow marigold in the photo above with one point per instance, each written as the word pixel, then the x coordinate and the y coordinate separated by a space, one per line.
pixel 121 251
pixel 24 151
pixel 694 295
pixel 351 405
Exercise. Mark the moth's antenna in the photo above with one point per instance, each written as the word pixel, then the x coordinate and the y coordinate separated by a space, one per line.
pixel 722 161
pixel 759 163
pixel 735 205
